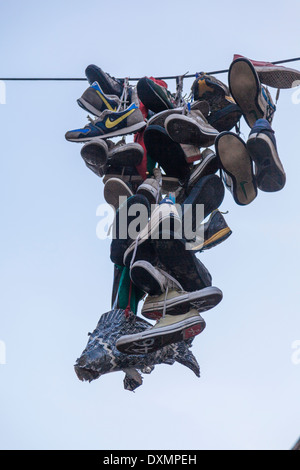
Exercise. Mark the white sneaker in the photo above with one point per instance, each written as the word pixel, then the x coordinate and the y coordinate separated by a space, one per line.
pixel 178 302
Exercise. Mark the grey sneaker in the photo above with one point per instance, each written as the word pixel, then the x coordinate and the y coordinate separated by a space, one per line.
pixel 116 191
pixel 168 330
pixel 237 167
pixel 95 101
pixel 253 99
pixel 125 154
pixel 110 124
pixel 95 153
pixel 191 129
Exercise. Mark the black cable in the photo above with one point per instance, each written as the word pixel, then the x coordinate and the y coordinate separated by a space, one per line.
pixel 215 72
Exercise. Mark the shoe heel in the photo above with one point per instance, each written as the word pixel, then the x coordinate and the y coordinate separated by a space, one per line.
pixel 192 331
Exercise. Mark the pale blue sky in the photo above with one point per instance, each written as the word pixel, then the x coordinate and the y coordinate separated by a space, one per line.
pixel 56 275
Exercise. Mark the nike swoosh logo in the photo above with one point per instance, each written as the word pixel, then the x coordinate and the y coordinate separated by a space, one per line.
pixel 106 102
pixel 242 185
pixel 109 123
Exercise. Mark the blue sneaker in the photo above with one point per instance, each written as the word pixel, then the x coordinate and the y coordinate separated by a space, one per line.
pixel 269 172
pixel 110 124
pixel 95 101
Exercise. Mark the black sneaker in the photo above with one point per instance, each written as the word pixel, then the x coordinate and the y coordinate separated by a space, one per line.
pixel 109 85
pixel 261 144
pixel 123 233
pixel 167 153
pixel 207 195
pixel 154 96
pixel 215 231
pixel 226 118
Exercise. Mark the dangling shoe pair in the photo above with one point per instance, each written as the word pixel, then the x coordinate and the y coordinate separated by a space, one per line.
pixel 176 311
pixel 106 157
pixel 236 160
pixel 115 189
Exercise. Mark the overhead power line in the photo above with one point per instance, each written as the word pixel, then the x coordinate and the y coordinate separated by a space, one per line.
pixel 66 79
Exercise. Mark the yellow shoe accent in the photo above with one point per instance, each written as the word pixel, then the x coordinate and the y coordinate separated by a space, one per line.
pixel 217 236
pixel 109 124
pixel 213 238
pixel 106 102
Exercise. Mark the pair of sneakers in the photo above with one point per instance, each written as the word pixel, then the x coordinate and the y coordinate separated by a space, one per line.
pixel 255 164
pixel 247 167
pixel 176 311
pixel 113 116
pixel 105 157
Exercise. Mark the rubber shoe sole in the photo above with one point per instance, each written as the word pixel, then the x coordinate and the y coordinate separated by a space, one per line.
pixel 270 175
pixel 236 162
pixel 203 300
pixel 245 89
pixel 186 130
pixel 154 339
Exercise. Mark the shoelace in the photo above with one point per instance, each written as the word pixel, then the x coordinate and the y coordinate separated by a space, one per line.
pixel 124 96
pixel 135 250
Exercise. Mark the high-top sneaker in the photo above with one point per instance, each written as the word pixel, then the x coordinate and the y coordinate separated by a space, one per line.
pixel 206 196
pixel 261 144
pixel 164 223
pixel 175 302
pixel 123 233
pixel 168 330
